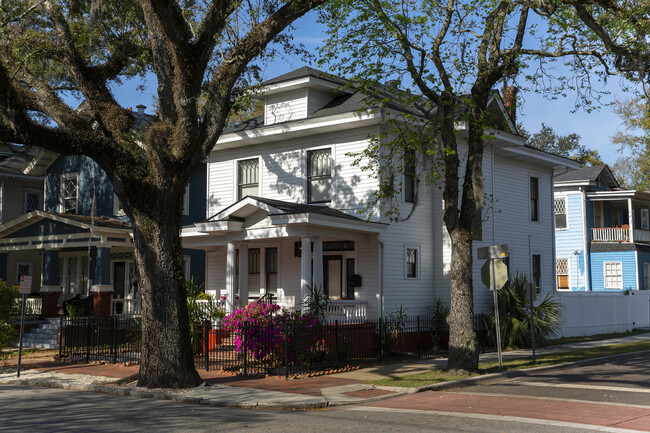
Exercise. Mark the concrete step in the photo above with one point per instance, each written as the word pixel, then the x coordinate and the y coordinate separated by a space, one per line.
pixel 46 331
pixel 39 339
pixel 49 326
pixel 40 345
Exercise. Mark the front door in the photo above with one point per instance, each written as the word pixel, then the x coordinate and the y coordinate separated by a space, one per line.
pixel 119 275
pixel 333 276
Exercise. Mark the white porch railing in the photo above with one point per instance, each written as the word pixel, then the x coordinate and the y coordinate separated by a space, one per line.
pixel 345 311
pixel 33 306
pixel 129 307
pixel 610 234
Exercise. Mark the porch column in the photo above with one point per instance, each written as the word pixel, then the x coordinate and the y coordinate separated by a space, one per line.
pixel 630 217
pixel 305 270
pixel 243 274
pixel 231 255
pixel 318 264
pixel 3 266
pixel 102 289
pixel 50 284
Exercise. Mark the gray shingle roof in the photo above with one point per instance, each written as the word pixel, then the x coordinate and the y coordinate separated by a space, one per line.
pixel 587 174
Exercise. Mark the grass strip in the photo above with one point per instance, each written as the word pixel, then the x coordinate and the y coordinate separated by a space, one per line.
pixel 437 376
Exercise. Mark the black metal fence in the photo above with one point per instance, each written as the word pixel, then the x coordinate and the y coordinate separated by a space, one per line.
pixel 111 339
pixel 271 349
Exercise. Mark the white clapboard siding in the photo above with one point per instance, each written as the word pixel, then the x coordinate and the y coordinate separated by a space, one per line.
pixel 286 106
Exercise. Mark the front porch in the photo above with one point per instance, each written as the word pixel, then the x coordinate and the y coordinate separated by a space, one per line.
pixel 620 216
pixel 259 246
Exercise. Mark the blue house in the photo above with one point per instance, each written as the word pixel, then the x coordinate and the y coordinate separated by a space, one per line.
pixel 84 240
pixel 602 232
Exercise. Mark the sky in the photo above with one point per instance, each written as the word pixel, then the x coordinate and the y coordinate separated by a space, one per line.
pixel 595 128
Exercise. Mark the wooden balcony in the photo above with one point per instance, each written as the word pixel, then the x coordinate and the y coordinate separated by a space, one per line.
pixel 610 234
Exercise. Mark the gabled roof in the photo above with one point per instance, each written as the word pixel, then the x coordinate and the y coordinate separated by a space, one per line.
pixel 80 221
pixel 244 208
pixel 305 71
pixel 587 175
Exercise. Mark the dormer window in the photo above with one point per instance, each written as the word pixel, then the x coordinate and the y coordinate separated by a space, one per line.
pixel 69 192
pixel 319 176
pixel 248 178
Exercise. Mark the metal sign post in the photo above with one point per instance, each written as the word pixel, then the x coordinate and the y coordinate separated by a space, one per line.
pixel 494 275
pixel 25 289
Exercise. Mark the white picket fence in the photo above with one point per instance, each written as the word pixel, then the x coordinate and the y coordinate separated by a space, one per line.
pixel 591 313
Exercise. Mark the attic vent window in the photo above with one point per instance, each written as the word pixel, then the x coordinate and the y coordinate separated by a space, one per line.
pixel 69 193
pixel 319 176
pixel 248 178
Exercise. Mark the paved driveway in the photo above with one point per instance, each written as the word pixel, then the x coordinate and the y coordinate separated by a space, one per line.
pixel 613 396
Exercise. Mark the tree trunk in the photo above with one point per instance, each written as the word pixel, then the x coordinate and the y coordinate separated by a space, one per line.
pixel 463 350
pixel 166 358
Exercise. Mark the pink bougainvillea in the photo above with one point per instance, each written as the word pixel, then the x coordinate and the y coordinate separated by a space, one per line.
pixel 263 331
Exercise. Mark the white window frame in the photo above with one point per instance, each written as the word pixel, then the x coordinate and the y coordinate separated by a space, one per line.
pixel 307 177
pixel 186 201
pixel 530 200
pixel 40 198
pixel 566 211
pixel 64 177
pixel 617 263
pixel 568 273
pixel 645 219
pixel 418 261
pixel 259 176
pixel 116 206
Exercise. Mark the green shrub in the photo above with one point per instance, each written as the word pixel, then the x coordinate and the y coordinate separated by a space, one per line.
pixel 514 316
pixel 9 311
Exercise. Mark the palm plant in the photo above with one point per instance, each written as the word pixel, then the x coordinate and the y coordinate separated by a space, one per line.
pixel 514 315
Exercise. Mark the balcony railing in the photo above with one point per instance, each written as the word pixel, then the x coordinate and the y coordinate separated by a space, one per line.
pixel 610 234
pixel 346 311
pixel 127 307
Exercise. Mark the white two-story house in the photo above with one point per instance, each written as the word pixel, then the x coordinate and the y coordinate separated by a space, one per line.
pixel 284 207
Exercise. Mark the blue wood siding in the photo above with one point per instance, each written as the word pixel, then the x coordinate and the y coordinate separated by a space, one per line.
pixel 629 268
pixel 197 264
pixel 92 180
pixel 567 242
pixel 46 227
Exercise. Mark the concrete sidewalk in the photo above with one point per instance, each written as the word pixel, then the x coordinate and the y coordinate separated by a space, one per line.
pixel 265 392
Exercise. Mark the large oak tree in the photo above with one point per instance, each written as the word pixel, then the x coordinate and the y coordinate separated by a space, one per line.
pixel 200 53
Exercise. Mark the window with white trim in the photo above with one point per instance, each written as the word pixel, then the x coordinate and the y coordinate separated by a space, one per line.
pixel 613 275
pixel 560 213
pixel 186 200
pixel 248 177
pixel 23 268
pixel 534 199
pixel 33 200
pixel 562 273
pixel 645 223
pixel 319 176
pixel 412 262
pixel 69 192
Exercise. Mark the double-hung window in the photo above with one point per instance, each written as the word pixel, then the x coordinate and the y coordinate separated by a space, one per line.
pixel 562 272
pixel 534 199
pixel 248 178
pixel 409 176
pixel 69 192
pixel 412 262
pixel 319 176
pixel 560 213
pixel 613 273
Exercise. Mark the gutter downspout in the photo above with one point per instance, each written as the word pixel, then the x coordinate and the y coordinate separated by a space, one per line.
pixel 2 199
pixel 585 237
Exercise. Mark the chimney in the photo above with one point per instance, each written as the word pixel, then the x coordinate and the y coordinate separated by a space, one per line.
pixel 129 108
pixel 140 108
pixel 509 96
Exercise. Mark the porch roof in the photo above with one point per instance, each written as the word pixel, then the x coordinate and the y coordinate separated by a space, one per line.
pixel 40 229
pixel 279 213
pixel 637 196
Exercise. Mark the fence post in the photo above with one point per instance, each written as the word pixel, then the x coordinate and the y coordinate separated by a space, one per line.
pixel 113 338
pixel 336 343
pixel 61 337
pixel 206 344
pixel 419 340
pixel 88 330
pixel 243 337
pixel 286 350
pixel 381 340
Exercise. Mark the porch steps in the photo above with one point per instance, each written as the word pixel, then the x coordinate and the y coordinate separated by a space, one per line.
pixel 43 336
